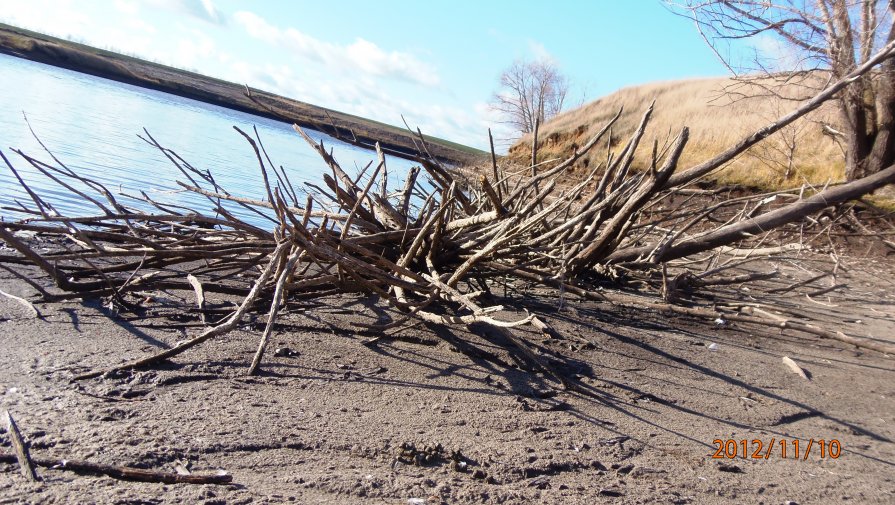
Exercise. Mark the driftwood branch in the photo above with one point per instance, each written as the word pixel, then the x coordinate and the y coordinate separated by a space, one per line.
pixel 21 454
pixel 123 472
pixel 528 226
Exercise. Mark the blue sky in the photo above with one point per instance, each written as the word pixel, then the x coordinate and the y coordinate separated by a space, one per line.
pixel 437 63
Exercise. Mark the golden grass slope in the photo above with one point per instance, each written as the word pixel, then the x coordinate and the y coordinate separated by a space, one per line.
pixel 800 153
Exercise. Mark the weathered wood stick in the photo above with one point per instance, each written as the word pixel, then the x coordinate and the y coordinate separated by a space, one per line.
pixel 124 472
pixel 534 153
pixel 445 179
pixel 158 218
pixel 470 319
pixel 347 226
pixel 200 294
pixel 565 164
pixel 43 168
pixel 328 158
pixel 274 310
pixel 627 156
pixel 494 166
pixel 407 192
pixel 383 186
pixel 482 218
pixel 41 205
pixel 767 221
pixel 97 234
pixel 26 464
pixel 492 196
pixel 736 279
pixel 826 290
pixel 799 284
pixel 611 231
pixel 762 251
pixel 254 145
pixel 215 331
pixel 417 243
pixel 545 279
pixel 51 270
pixel 258 203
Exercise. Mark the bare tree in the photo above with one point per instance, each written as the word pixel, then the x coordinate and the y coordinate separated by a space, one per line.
pixel 530 92
pixel 811 38
pixel 778 151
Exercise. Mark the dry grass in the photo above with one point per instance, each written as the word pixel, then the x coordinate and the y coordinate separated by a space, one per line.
pixel 716 121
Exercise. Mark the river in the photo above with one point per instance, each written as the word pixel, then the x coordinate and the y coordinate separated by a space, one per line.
pixel 91 124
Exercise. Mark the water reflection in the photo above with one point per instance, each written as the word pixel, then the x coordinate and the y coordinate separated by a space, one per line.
pixel 91 125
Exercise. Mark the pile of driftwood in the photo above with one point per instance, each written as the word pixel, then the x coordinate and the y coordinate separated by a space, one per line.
pixel 429 248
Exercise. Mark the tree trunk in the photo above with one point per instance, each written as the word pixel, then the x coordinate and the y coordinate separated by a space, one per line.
pixel 854 118
pixel 882 154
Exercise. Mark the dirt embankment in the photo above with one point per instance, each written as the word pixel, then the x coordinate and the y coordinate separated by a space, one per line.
pixel 117 67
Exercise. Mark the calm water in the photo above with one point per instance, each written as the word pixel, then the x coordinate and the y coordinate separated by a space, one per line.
pixel 91 125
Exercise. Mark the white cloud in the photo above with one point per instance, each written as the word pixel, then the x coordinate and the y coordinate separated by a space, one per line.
pixel 201 9
pixel 61 18
pixel 361 55
pixel 373 60
pixel 539 51
pixel 127 41
pixel 777 55
pixel 137 24
pixel 127 6
pixel 365 97
pixel 193 49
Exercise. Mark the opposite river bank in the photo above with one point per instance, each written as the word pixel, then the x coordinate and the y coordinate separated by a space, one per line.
pixel 110 65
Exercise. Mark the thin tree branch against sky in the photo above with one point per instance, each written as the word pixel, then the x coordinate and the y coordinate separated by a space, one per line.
pixel 436 63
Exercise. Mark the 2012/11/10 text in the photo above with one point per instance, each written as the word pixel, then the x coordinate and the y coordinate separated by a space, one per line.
pixel 785 449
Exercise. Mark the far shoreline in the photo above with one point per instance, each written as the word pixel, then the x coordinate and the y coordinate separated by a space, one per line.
pixel 354 130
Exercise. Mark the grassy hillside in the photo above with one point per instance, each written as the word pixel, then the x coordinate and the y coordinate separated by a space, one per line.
pixel 122 68
pixel 799 153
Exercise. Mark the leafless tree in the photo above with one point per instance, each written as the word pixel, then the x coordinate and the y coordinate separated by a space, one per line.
pixel 811 38
pixel 778 151
pixel 530 92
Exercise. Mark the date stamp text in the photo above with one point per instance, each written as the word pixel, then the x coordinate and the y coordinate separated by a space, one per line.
pixel 784 449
